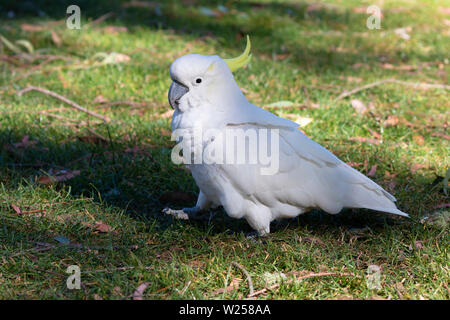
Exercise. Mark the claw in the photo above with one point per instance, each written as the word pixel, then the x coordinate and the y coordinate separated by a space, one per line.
pixel 178 214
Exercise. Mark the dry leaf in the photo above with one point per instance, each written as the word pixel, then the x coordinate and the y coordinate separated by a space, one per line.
pixel 167 114
pixel 62 176
pixel 93 140
pixel 120 57
pixel 137 295
pixel 31 27
pixel 16 209
pixel 99 99
pixel 419 140
pixel 114 29
pixel 418 244
pixel 375 134
pixel 166 133
pixel 359 106
pixel 362 139
pixel 102 227
pixel 372 171
pixel 56 39
pixel 417 166
pixel 354 164
pixel 313 240
pixel 391 121
pixel 234 285
pixel 25 143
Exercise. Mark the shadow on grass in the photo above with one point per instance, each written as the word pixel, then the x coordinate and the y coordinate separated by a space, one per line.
pixel 142 182
pixel 136 181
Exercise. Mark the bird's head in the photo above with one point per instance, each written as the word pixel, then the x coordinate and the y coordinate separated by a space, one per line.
pixel 205 78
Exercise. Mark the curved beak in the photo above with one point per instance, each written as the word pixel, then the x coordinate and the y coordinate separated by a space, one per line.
pixel 176 91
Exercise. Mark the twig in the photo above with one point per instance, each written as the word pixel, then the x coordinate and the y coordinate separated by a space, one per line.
pixel 64 99
pixel 126 103
pixel 419 85
pixel 101 18
pixel 310 275
pixel 249 279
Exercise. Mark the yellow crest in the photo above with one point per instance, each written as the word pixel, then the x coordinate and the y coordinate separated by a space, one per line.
pixel 242 60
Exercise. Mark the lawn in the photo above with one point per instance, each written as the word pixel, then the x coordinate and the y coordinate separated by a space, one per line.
pixel 78 190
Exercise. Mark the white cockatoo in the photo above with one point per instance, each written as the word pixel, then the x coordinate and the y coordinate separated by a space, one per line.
pixel 205 95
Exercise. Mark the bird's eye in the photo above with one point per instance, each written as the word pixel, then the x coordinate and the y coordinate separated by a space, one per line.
pixel 198 80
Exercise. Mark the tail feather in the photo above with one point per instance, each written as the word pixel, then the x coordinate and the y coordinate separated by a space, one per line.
pixel 364 193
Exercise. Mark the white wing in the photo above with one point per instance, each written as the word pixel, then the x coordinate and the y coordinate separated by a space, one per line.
pixel 309 176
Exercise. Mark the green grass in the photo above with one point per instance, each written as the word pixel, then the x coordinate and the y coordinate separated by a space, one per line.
pixel 301 55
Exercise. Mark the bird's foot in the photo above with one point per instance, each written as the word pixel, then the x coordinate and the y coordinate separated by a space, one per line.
pixel 184 214
pixel 256 237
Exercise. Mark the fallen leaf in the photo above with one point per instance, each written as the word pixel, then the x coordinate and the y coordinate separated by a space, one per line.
pixel 25 143
pixel 62 176
pixel 418 244
pixel 419 140
pixel 417 166
pixel 362 139
pixel 120 57
pixel 117 291
pixel 359 106
pixel 56 39
pixel 137 295
pixel 375 134
pixel 234 285
pixel 16 209
pixel 102 227
pixel 31 27
pixel 282 56
pixel 372 171
pixel 167 114
pixel 93 140
pixel 99 99
pixel 391 121
pixel 313 240
pixel 166 133
pixel 114 29
pixel 354 164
